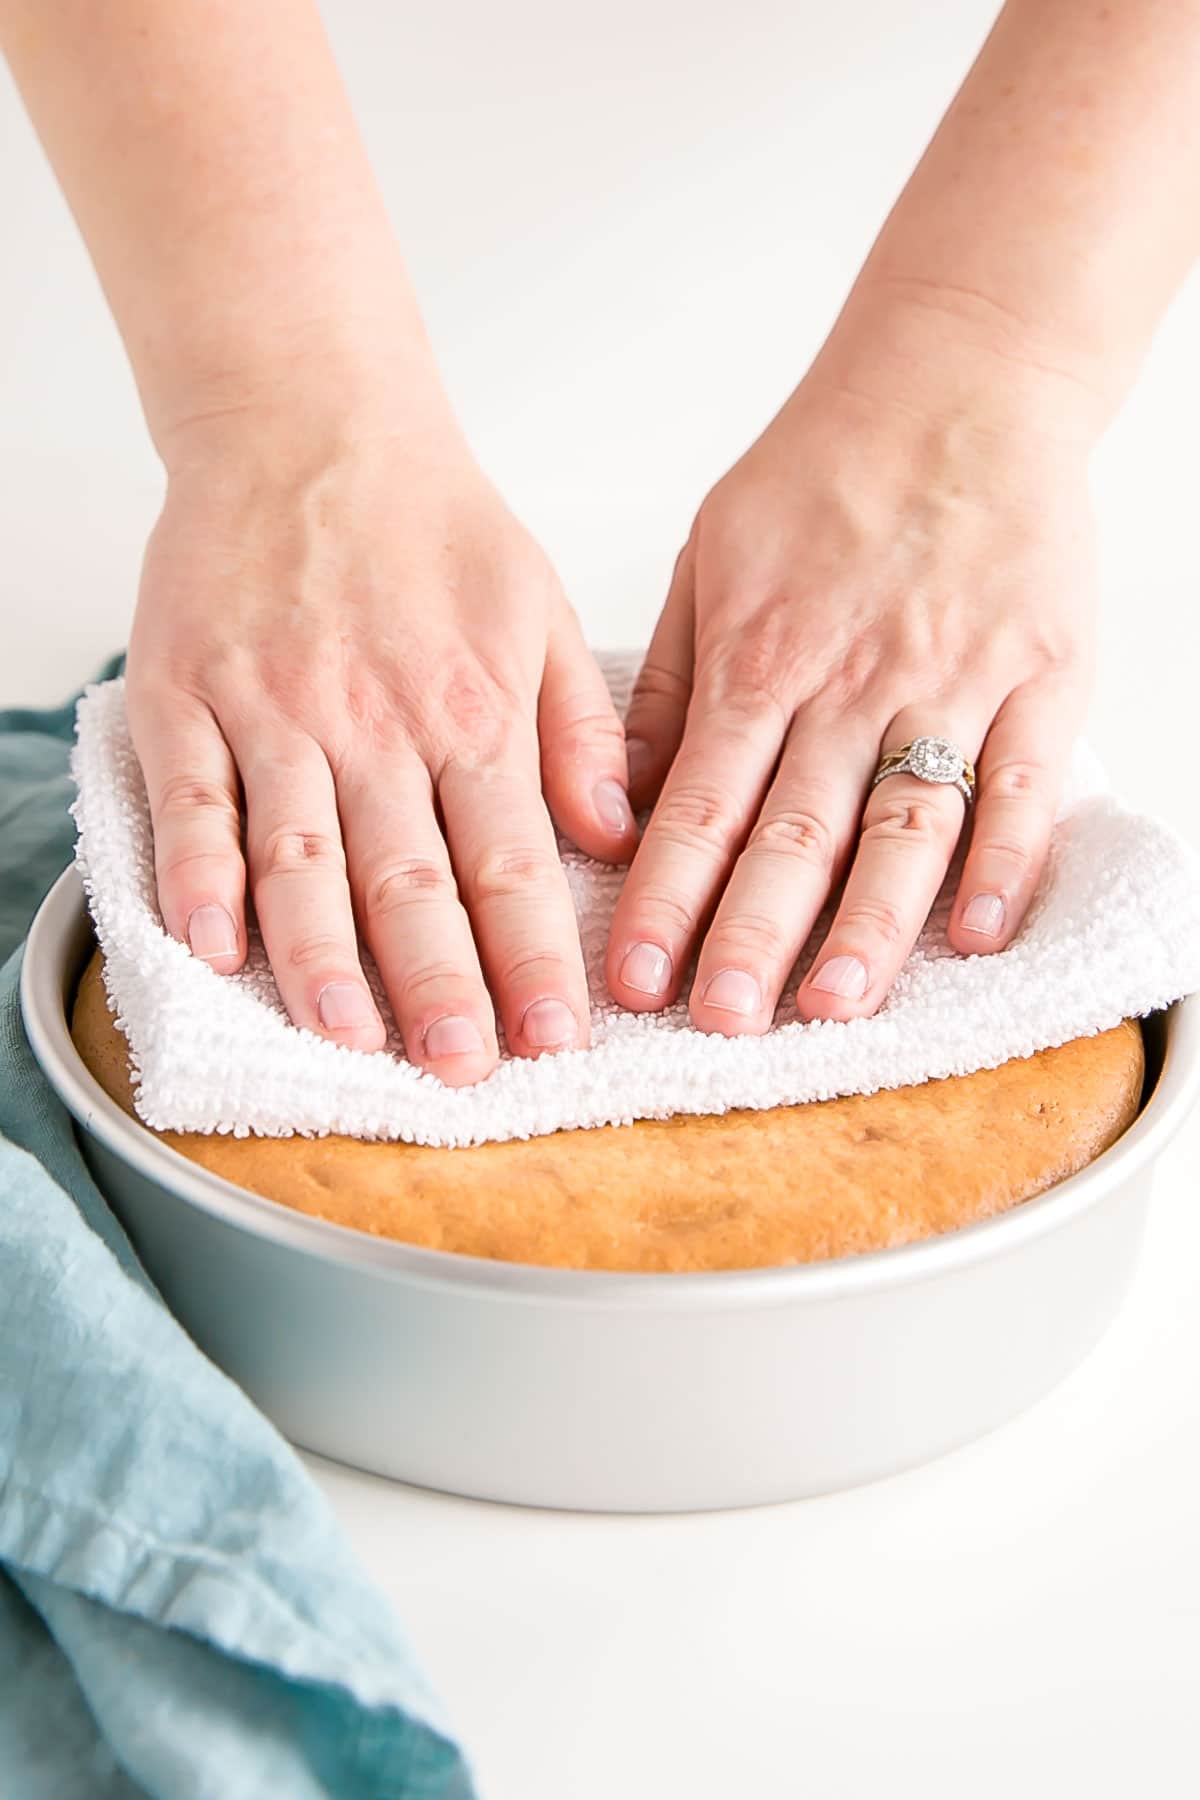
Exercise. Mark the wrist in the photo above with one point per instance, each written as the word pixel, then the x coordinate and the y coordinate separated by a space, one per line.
pixel 897 423
pixel 929 355
pixel 304 403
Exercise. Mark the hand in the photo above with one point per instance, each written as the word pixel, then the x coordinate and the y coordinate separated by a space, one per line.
pixel 864 575
pixel 350 625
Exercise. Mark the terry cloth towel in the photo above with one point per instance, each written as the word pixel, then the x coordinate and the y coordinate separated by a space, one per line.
pixel 1114 931
pixel 180 1614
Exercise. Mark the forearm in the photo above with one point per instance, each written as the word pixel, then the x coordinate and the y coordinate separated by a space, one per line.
pixel 1051 219
pixel 209 154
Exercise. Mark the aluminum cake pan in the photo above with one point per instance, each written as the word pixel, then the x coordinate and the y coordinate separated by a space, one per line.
pixel 620 1392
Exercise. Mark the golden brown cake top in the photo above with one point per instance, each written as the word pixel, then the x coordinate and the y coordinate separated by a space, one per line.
pixel 738 1190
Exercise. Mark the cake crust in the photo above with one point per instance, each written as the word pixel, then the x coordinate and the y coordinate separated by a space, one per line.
pixel 743 1189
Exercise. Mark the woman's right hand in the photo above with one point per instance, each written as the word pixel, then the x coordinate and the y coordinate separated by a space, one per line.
pixel 344 626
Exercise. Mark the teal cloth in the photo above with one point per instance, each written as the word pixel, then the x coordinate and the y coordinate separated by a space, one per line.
pixel 180 1614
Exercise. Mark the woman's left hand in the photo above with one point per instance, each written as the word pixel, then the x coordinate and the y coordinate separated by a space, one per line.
pixel 872 570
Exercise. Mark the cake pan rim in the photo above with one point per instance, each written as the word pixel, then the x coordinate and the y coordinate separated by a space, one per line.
pixel 62 918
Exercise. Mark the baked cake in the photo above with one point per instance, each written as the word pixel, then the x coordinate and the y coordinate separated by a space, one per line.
pixel 744 1189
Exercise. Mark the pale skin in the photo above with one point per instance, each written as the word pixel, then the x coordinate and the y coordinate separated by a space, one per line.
pixel 341 625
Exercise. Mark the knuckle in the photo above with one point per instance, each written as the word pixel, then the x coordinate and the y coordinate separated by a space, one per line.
pixel 398 884
pixel 851 676
pixel 368 717
pixel 912 819
pixel 657 685
pixel 192 861
pixel 292 690
pixel 654 718
pixel 189 794
pixel 316 950
pixel 755 934
pixel 507 873
pixel 370 706
pixel 670 912
pixel 474 706
pixel 415 986
pixel 1018 856
pixel 696 817
pixel 876 916
pixel 744 683
pixel 490 753
pixel 748 701
pixel 757 657
pixel 1056 651
pixel 1015 779
pixel 546 965
pixel 585 732
pixel 286 851
pixel 794 833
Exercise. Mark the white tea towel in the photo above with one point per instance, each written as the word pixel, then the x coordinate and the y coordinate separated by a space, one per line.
pixel 1113 932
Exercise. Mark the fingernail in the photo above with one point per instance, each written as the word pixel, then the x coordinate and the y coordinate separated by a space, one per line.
pixel 343 1004
pixel 453 1036
pixel 612 806
pixel 638 757
pixel 732 990
pixel 647 969
pixel 211 932
pixel 843 975
pixel 548 1022
pixel 985 913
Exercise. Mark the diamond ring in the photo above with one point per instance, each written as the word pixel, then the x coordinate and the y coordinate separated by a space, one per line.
pixel 930 759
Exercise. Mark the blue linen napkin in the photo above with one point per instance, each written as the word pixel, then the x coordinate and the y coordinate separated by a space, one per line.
pixel 180 1614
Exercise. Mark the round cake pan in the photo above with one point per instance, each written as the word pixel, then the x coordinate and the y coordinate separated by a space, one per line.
pixel 614 1392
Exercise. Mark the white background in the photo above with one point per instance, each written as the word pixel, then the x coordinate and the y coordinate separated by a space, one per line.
pixel 630 227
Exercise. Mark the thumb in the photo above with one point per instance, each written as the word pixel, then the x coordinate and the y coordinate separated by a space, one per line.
pixel 657 710
pixel 583 748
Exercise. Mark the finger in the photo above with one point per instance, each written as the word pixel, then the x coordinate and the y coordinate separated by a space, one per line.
pixel 583 749
pixel 909 832
pixel 514 887
pixel 297 870
pixel 795 853
pixel 657 710
pixel 407 903
pixel 192 787
pixel 711 798
pixel 1022 767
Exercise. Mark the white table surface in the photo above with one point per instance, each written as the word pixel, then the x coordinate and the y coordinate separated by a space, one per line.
pixel 630 229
